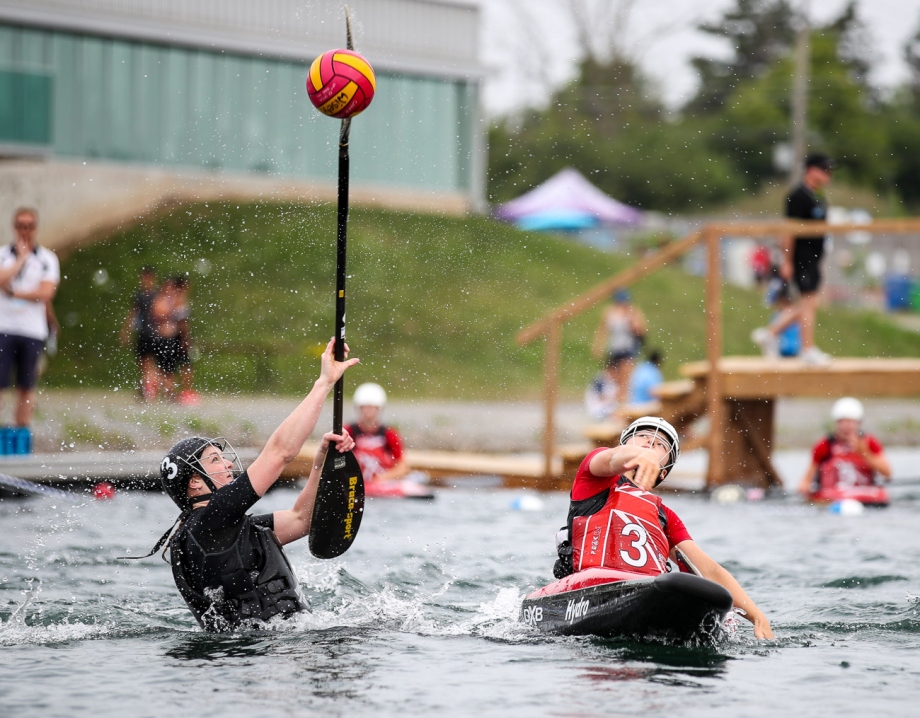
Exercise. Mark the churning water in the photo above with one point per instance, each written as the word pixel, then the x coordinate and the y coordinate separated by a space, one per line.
pixel 420 617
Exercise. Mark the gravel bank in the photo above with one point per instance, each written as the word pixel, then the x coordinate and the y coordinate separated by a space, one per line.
pixel 114 420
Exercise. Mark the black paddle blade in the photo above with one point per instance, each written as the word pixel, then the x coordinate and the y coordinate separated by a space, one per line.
pixel 339 505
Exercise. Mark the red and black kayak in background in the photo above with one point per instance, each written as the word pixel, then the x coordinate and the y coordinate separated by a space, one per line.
pixel 867 495
pixel 616 604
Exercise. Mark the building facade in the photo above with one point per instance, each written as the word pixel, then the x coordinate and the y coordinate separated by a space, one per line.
pixel 218 86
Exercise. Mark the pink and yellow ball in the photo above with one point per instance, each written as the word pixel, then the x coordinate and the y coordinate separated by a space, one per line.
pixel 341 83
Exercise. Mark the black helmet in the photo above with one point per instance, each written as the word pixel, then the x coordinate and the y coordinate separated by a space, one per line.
pixel 181 463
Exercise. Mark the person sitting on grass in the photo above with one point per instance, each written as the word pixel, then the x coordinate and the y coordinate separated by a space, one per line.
pixel 646 377
pixel 229 565
pixel 630 527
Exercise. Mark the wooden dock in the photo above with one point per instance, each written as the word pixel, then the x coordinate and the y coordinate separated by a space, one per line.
pixel 741 439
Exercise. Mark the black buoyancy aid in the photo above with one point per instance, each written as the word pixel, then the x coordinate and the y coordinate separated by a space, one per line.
pixel 236 590
pixel 588 507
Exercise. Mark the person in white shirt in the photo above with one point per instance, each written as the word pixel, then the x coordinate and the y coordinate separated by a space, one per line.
pixel 29 277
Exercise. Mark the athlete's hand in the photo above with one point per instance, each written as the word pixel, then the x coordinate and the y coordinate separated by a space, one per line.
pixel 762 628
pixel 343 442
pixel 647 468
pixel 333 370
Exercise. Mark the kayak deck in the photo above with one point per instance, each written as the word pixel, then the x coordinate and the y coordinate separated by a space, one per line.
pixel 866 495
pixel 606 603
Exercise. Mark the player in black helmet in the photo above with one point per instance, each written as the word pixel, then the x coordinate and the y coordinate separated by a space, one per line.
pixel 229 565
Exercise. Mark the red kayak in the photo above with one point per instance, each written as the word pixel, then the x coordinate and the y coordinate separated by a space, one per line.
pixel 397 490
pixel 867 495
pixel 608 603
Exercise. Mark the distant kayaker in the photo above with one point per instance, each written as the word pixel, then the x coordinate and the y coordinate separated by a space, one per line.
pixel 378 448
pixel 847 458
pixel 229 565
pixel 616 522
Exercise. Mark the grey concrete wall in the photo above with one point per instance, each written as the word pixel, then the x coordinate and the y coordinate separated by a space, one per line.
pixel 81 201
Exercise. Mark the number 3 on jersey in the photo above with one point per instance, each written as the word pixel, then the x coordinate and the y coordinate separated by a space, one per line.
pixel 639 543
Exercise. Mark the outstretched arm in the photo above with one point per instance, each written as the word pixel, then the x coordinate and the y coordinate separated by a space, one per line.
pixel 295 523
pixel 287 440
pixel 639 464
pixel 714 572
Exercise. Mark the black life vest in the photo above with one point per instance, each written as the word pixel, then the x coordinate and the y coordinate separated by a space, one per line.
pixel 247 583
pixel 588 507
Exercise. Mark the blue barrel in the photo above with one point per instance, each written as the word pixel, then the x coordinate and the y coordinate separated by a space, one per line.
pixel 22 440
pixel 897 292
pixel 7 441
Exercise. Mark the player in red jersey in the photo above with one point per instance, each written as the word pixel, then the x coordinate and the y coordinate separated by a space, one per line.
pixel 848 457
pixel 378 448
pixel 615 521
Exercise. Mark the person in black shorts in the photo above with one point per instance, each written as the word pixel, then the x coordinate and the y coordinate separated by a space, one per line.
pixel 140 323
pixel 801 263
pixel 228 565
pixel 29 277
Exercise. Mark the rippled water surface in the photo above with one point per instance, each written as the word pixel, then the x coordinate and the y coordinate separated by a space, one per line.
pixel 420 617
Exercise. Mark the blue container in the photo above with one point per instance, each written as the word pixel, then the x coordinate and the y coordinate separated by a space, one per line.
pixel 22 440
pixel 897 292
pixel 7 441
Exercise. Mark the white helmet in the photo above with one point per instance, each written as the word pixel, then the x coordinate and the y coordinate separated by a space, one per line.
pixel 847 408
pixel 370 394
pixel 659 425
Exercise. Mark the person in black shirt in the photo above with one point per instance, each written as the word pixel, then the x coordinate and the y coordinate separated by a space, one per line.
pixel 801 262
pixel 229 565
pixel 139 322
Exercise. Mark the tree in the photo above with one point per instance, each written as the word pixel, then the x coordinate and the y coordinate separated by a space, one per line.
pixel 611 125
pixel 759 32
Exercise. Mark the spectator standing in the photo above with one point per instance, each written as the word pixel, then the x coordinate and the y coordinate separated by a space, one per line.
pixel 29 277
pixel 140 322
pixel 624 326
pixel 801 263
pixel 646 377
pixel 166 339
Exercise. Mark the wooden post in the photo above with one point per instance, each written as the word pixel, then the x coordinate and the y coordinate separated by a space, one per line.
pixel 550 392
pixel 715 474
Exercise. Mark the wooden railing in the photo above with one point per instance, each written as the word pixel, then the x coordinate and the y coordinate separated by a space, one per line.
pixel 551 324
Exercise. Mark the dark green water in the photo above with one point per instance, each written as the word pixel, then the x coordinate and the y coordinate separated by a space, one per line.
pixel 420 617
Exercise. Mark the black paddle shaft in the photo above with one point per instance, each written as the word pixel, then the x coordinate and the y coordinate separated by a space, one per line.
pixel 340 273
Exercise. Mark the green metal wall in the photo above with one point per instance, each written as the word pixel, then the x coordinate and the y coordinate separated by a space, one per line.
pixel 156 104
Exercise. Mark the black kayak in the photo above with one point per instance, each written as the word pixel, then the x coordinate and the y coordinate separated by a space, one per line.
pixel 614 604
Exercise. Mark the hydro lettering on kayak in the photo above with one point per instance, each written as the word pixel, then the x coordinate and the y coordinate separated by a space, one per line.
pixel 576 609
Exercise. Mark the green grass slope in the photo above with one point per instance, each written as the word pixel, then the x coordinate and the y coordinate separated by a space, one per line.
pixel 433 303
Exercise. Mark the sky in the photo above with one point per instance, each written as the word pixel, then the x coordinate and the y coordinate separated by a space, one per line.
pixel 529 46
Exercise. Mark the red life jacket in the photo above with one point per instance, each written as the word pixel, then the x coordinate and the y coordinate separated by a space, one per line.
pixel 843 468
pixel 626 533
pixel 372 450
